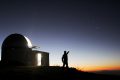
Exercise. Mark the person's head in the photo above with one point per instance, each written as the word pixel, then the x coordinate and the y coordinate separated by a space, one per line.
pixel 64 52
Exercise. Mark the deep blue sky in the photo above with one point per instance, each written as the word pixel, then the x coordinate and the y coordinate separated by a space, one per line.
pixel 89 29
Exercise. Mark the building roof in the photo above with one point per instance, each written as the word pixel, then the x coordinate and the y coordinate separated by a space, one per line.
pixel 15 40
pixel 36 51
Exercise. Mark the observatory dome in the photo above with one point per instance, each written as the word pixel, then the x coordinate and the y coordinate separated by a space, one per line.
pixel 16 41
pixel 16 50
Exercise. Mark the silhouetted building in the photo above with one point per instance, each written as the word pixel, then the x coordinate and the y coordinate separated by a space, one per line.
pixel 16 50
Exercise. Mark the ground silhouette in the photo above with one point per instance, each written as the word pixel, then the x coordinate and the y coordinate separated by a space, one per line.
pixel 50 73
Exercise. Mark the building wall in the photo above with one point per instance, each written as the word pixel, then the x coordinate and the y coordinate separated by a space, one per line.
pixel 24 57
pixel 44 59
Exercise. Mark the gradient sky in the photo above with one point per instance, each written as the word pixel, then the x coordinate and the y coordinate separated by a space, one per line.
pixel 89 29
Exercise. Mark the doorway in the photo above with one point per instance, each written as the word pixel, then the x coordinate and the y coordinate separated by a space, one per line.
pixel 39 59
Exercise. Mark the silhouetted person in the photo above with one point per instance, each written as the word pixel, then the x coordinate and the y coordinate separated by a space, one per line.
pixel 65 59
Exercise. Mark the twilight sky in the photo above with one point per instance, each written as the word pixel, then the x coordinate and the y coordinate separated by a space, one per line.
pixel 89 29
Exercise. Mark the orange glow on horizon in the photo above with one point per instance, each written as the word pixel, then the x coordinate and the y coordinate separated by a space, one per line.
pixel 98 68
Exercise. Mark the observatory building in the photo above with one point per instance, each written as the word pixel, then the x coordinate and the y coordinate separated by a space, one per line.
pixel 17 50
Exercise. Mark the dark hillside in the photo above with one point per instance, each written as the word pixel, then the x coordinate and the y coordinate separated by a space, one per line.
pixel 50 73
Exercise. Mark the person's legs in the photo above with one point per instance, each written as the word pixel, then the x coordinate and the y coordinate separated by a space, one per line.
pixel 66 65
pixel 63 64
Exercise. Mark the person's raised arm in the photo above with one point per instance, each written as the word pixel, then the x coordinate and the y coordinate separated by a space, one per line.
pixel 68 52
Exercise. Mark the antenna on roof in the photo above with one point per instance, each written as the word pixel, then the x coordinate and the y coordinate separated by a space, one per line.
pixel 35 47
